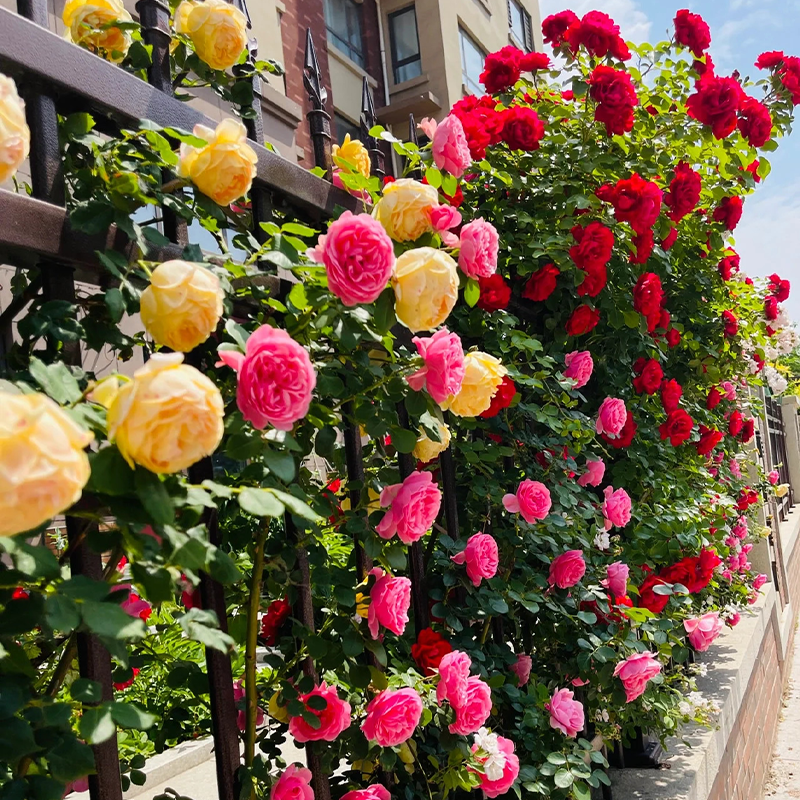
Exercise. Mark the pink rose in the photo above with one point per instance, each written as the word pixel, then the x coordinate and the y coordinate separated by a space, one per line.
pixel 532 500
pixel 567 569
pixel 499 786
pixel 759 581
pixel 734 619
pixel 617 578
pixel 453 675
pixel 579 682
pixel 729 390
pixel 481 557
pixel 480 244
pixel 444 217
pixel 334 718
pixel 579 367
pixel 635 671
pixel 389 600
pixel 450 147
pixel 361 194
pixel 595 470
pixel 522 669
pixel 358 256
pixel 443 372
pixel 392 716
pixel 373 792
pixel 276 378
pixel 428 126
pixel 476 707
pixel 293 784
pixel 611 417
pixel 736 470
pixel 133 605
pixel 703 630
pixel 616 507
pixel 413 507
pixel 566 714
pixel 773 476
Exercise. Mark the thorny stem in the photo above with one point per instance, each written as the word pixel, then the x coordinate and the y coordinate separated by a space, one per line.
pixel 251 693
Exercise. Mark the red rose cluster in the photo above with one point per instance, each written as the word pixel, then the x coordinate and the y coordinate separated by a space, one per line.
pixel 788 71
pixel 648 375
pixel 684 192
pixel 779 287
pixel 502 69
pixel 495 293
pixel 729 212
pixel 595 31
pixel 429 649
pixel 582 320
pixel 692 31
pixel 635 200
pixel 277 613
pixel 542 283
pixel 693 572
pixel 677 427
pixel 591 252
pixel 747 498
pixel 613 91
pixel 729 265
pixel 709 439
pixel 648 300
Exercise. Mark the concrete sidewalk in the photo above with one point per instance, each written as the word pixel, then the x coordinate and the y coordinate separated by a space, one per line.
pixel 783 782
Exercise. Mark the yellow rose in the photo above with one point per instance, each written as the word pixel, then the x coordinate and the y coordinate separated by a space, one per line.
pixel 168 417
pixel 224 169
pixel 15 137
pixel 426 449
pixel 218 30
pixel 277 711
pixel 182 305
pixel 482 375
pixel 425 283
pixel 86 22
pixel 781 490
pixel 43 466
pixel 404 210
pixel 352 155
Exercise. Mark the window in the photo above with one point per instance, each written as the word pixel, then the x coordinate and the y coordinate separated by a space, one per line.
pixel 343 18
pixel 343 127
pixel 472 58
pixel 406 60
pixel 520 26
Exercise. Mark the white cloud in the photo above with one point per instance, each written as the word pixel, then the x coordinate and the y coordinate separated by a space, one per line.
pixel 633 22
pixel 766 241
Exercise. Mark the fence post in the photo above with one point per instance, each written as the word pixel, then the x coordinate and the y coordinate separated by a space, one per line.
pixel 790 407
pixel 319 121
pixel 368 122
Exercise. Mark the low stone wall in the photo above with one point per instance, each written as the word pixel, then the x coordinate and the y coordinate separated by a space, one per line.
pixel 747 673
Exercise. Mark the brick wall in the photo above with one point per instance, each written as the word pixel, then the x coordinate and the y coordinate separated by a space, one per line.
pixel 372 48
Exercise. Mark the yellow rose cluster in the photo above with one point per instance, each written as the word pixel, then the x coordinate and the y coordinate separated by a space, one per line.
pixel 182 305
pixel 426 449
pixel 43 466
pixel 89 24
pixel 483 375
pixel 217 29
pixel 352 154
pixel 425 282
pixel 15 137
pixel 404 210
pixel 224 168
pixel 165 419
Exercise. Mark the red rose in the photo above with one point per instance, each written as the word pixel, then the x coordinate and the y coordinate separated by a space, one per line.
pixel 481 122
pixel 715 103
pixel 682 572
pixel 502 398
pixel 541 284
pixel 556 25
pixel 691 31
pixel 613 91
pixel 582 320
pixel 643 242
pixel 752 168
pixel 671 393
pixel 779 287
pixel 684 192
pixel 748 430
pixel 669 239
pixel 677 428
pixel 735 423
pixel 522 128
pixel 648 598
pixel 625 435
pixel 593 246
pixel 673 337
pixel 709 439
pixel 530 62
pixel 769 59
pixel 593 283
pixel 790 77
pixel 495 293
pixel 755 121
pixel 648 296
pixel 429 649
pixel 704 67
pixel 454 200
pixel 125 684
pixel 714 398
pixel 649 374
pixel 771 307
pixel 730 323
pixel 277 613
pixel 635 200
pixel 501 69
pixel 599 34
pixel 747 497
pixel 729 265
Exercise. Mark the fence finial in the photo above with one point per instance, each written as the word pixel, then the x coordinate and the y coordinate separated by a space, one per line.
pixel 368 121
pixel 319 120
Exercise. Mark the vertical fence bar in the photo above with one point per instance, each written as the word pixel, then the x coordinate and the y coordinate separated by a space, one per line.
pixel 367 123
pixel 414 139
pixel 154 19
pixel 319 121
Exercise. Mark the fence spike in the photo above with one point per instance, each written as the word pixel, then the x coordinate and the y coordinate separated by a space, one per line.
pixel 319 121
pixel 368 122
pixel 413 137
pixel 154 19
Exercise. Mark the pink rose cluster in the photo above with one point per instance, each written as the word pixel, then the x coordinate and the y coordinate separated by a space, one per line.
pixel 532 501
pixel 450 147
pixel 616 507
pixel 443 370
pixel 611 417
pixel 293 784
pixel 567 569
pixel 595 471
pixel 470 697
pixel 579 365
pixel 481 557
pixel 275 378
pixel 373 792
pixel 413 506
pixel 358 256
pixel 389 600
pixel 480 245
pixel 522 669
pixel 392 716
pixel 333 719
pixel 635 672
pixel 701 631
pixel 617 578
pixel 566 714
pixel 499 786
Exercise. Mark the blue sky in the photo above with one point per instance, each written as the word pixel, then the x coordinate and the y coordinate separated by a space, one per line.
pixel 768 237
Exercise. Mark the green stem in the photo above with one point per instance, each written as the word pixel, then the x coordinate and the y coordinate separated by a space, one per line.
pixel 251 694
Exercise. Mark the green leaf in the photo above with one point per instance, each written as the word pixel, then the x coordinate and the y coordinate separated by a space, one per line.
pixel 472 292
pixel 588 617
pixel 33 561
pixel 96 724
pixel 434 177
pixel 280 464
pixel 296 506
pixel 260 503
pixel 203 626
pixel 222 568
pixel 110 620
pixel 563 779
pixel 85 691
pixel 157 582
pixel 582 791
pixel 297 229
pixel 237 333
pixel 631 319
pixel 557 758
pixel 385 317
pixel 70 759
pixel 154 496
pixel 110 473
pixel 404 440
pixel 378 650
pixel 115 302
pixel 129 715
pixel 325 442
pixel 56 380
pixel 62 613
pixel 78 124
pixel 16 740
pixel 297 297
